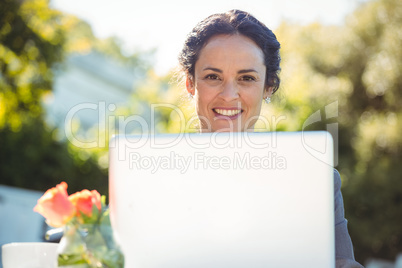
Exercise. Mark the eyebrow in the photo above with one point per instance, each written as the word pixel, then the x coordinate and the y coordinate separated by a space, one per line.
pixel 220 71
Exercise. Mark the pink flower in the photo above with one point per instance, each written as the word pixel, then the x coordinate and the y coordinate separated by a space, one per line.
pixel 55 206
pixel 85 200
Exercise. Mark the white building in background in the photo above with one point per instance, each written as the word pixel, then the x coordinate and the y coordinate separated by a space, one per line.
pixel 89 88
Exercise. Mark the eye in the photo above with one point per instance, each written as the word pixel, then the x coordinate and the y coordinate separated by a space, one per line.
pixel 247 78
pixel 212 77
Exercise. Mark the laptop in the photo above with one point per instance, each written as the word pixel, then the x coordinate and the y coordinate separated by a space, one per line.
pixel 223 199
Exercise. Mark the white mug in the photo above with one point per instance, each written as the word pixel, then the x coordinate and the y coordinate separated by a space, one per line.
pixel 29 255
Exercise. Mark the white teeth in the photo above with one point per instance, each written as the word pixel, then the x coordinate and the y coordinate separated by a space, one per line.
pixel 227 112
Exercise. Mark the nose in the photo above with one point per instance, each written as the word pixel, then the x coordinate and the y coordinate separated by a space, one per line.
pixel 229 91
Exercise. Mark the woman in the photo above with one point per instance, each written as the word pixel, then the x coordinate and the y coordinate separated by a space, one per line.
pixel 231 64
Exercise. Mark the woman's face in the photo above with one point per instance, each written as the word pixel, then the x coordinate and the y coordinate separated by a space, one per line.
pixel 228 84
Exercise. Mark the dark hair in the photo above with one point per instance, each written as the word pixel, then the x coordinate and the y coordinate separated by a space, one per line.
pixel 233 22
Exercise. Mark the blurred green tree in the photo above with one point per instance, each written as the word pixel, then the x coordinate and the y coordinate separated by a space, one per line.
pixel 34 40
pixel 31 43
pixel 358 67
pixel 374 110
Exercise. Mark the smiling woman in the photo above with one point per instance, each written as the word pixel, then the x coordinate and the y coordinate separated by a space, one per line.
pixel 229 83
pixel 231 64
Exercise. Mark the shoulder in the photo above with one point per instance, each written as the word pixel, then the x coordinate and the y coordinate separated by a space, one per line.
pixel 338 199
pixel 337 181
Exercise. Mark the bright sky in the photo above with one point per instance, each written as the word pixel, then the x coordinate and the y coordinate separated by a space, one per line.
pixel 164 24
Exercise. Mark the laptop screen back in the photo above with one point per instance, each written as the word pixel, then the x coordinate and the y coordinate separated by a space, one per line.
pixel 223 200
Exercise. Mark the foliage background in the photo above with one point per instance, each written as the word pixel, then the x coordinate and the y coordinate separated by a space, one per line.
pixel 356 65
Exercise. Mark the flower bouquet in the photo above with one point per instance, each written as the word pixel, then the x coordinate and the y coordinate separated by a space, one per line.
pixel 88 237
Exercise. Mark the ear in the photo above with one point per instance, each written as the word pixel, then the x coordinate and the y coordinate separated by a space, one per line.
pixel 190 84
pixel 267 92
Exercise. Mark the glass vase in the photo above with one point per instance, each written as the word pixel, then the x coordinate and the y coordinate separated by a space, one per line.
pixel 89 246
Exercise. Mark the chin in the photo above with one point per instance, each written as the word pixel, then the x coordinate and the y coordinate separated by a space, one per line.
pixel 225 126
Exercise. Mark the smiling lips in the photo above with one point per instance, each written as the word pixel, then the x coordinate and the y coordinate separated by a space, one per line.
pixel 231 113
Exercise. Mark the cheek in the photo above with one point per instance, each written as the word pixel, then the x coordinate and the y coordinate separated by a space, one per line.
pixel 253 99
pixel 202 104
pixel 203 96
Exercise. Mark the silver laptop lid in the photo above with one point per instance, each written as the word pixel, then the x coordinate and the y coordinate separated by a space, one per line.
pixel 223 199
